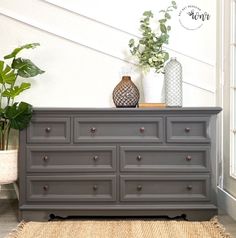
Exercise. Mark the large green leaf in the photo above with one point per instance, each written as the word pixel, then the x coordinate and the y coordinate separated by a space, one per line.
pixel 19 115
pixel 26 68
pixel 16 90
pixel 17 50
pixel 7 75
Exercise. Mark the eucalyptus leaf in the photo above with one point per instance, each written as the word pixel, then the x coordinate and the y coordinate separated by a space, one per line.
pixel 26 68
pixel 17 50
pixel 167 15
pixel 148 14
pixel 149 48
pixel 163 28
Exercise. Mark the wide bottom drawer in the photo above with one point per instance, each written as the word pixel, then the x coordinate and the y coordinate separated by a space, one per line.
pixel 71 188
pixel 165 188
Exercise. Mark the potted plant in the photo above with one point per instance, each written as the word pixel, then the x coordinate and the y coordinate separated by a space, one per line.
pixel 150 53
pixel 13 114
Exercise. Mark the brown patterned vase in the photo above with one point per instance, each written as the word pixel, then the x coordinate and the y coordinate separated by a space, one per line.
pixel 125 94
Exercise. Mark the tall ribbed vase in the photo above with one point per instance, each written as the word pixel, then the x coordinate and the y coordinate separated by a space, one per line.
pixel 173 83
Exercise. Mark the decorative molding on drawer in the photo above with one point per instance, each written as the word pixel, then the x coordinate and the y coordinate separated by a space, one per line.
pixel 163 159
pixel 122 129
pixel 188 129
pixel 49 130
pixel 78 158
pixel 89 188
pixel 167 187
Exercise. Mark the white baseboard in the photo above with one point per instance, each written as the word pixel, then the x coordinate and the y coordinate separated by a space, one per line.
pixel 227 202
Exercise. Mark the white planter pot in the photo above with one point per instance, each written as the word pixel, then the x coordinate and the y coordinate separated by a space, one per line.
pixel 153 87
pixel 8 166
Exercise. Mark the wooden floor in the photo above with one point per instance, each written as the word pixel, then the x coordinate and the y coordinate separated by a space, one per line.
pixel 8 219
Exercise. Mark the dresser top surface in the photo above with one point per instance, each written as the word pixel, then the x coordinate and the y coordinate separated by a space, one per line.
pixel 207 110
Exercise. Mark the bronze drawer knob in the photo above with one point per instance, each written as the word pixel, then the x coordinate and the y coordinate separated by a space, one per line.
pixel 188 158
pixel 139 157
pixel 45 187
pixel 48 129
pixel 142 129
pixel 139 187
pixel 189 187
pixel 93 129
pixel 45 158
pixel 95 187
pixel 187 129
pixel 95 158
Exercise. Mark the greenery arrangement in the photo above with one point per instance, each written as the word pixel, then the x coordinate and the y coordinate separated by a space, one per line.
pixel 149 49
pixel 15 115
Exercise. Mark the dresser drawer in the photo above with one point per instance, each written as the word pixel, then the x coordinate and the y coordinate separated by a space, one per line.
pixel 71 158
pixel 160 158
pixel 118 129
pixel 165 188
pixel 71 188
pixel 49 130
pixel 188 129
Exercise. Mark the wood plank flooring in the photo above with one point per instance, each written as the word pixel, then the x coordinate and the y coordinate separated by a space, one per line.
pixel 8 218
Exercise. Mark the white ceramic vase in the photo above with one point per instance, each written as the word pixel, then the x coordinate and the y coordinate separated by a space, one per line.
pixel 153 87
pixel 8 166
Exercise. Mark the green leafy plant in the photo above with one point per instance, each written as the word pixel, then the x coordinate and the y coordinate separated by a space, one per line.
pixel 15 115
pixel 149 49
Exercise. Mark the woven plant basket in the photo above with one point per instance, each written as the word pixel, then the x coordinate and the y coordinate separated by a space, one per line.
pixel 8 166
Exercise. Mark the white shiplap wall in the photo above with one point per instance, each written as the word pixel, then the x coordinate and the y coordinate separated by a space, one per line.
pixel 84 48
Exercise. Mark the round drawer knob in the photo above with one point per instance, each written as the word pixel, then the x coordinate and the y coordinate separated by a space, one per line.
pixel 48 129
pixel 139 157
pixel 188 158
pixel 45 187
pixel 142 129
pixel 139 187
pixel 95 158
pixel 189 187
pixel 93 129
pixel 95 187
pixel 187 129
pixel 45 158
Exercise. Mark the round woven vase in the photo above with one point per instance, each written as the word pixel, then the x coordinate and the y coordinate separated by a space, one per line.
pixel 125 94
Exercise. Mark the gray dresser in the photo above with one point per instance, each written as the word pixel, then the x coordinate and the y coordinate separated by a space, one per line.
pixel 118 162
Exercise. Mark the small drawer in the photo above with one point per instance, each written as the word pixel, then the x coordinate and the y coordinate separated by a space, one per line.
pixel 188 129
pixel 118 129
pixel 160 158
pixel 49 130
pixel 180 188
pixel 71 188
pixel 71 159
